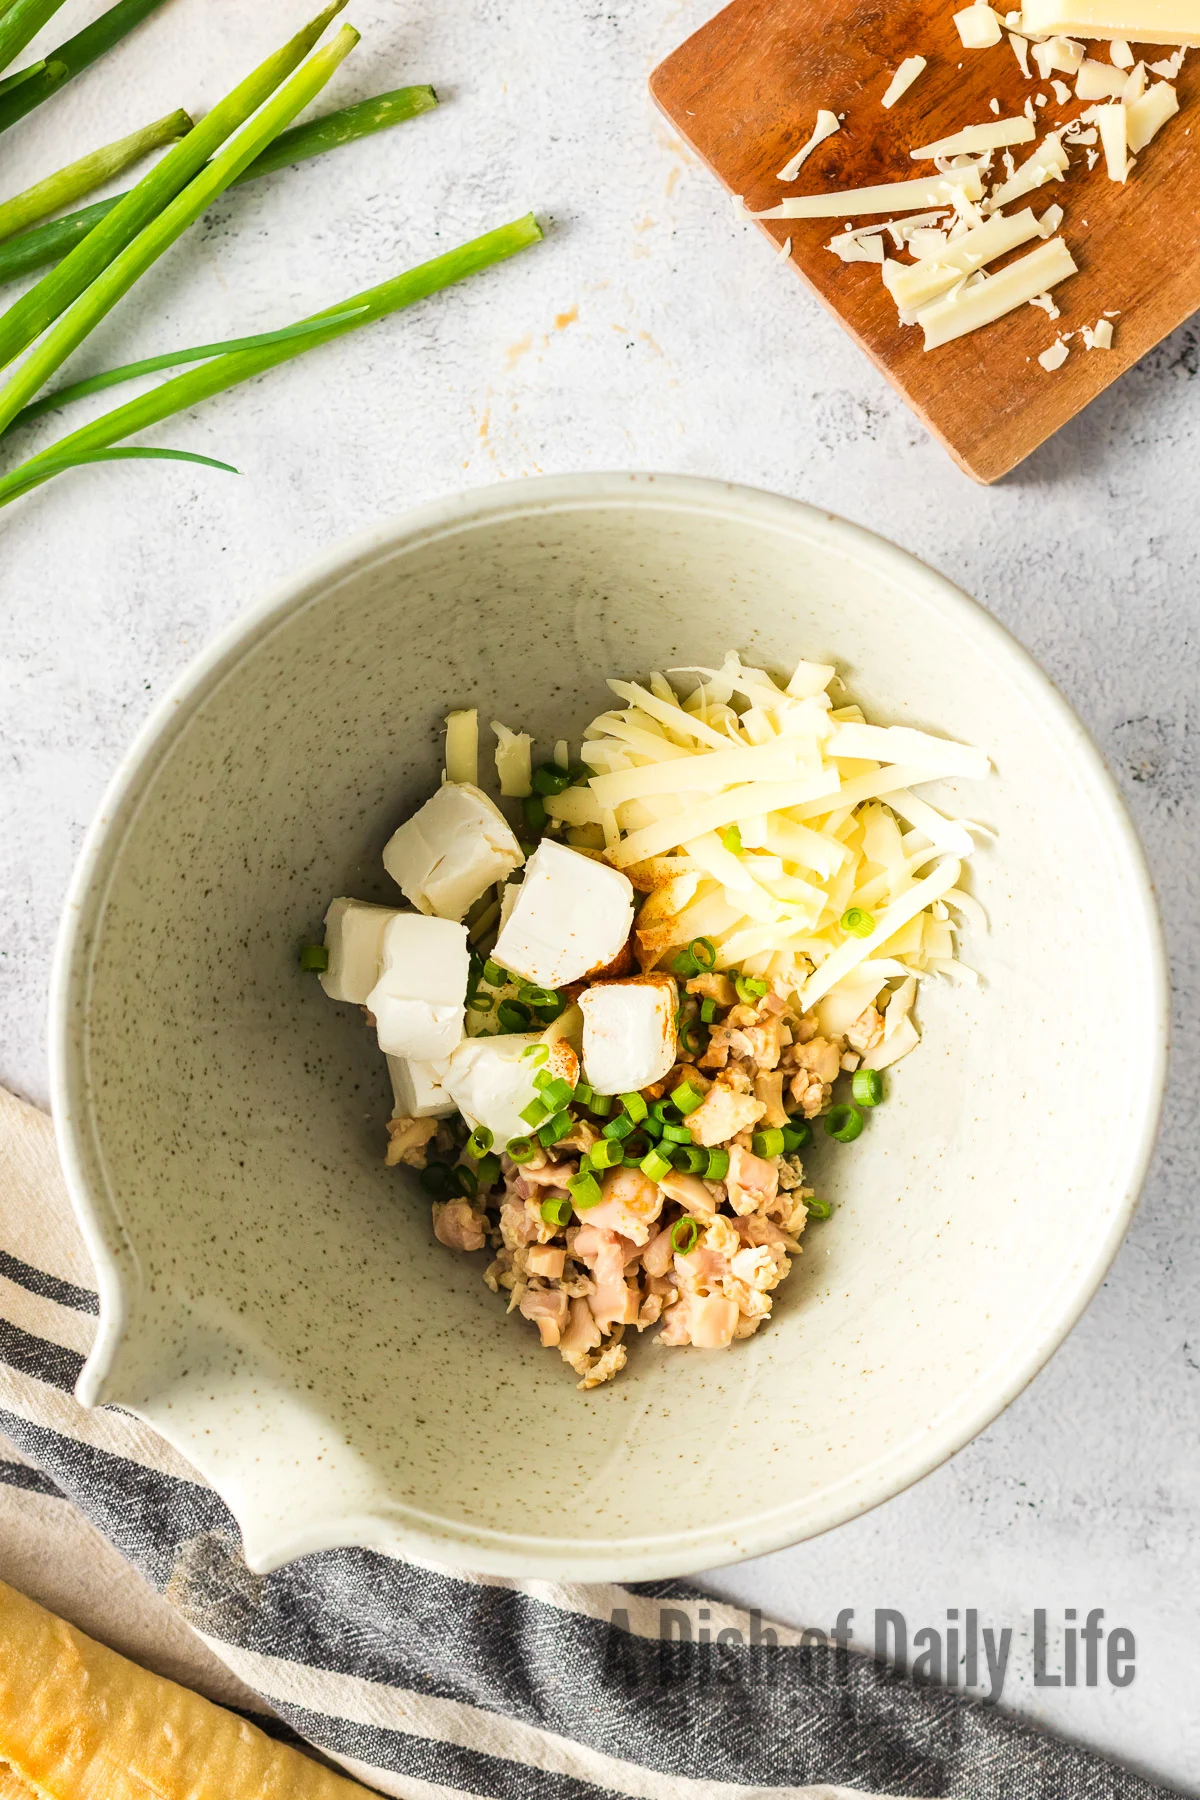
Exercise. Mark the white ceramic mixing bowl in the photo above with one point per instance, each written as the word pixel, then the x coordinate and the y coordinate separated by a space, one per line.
pixel 272 1299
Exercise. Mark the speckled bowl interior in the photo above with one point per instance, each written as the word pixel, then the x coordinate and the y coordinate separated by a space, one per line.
pixel 273 1300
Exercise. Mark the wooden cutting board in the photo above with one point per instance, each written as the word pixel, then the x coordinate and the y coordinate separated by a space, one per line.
pixel 744 92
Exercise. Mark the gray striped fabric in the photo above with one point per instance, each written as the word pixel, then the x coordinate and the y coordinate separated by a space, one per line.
pixel 428 1681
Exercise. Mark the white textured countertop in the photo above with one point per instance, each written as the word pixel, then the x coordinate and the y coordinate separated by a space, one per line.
pixel 650 331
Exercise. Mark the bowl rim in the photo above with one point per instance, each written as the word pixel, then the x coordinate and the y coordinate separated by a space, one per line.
pixel 115 1255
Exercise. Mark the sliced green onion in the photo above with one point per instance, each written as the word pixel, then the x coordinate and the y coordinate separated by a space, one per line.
pixel 685 1234
pixel 521 1149
pixel 537 1054
pixel 559 1126
pixel 685 964
pixel 513 1016
pixel 635 1106
pixel 844 1123
pixel 796 1136
pixel 585 1191
pixel 676 1134
pixel 690 1159
pixel 685 1098
pixel 466 1181
pixel 867 1086
pixel 556 1211
pixel 731 837
pixel 652 1127
pixel 438 1180
pixel 488 1169
pixel 80 177
pixel 708 1011
pixel 314 957
pixel 480 1003
pixel 605 1155
pixel 749 988
pixel 718 1165
pixel 73 56
pixel 767 1143
pixel 536 1113
pixel 536 816
pixel 556 1092
pixel 185 391
pixel 664 1111
pixel 635 1148
pixel 539 996
pixel 549 778
pixel 619 1128
pixel 857 922
pixel 600 1104
pixel 583 1094
pixel 818 1209
pixel 693 1039
pixel 493 974
pixel 704 952
pixel 655 1165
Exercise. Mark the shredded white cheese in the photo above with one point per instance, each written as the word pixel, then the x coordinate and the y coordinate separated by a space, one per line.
pixel 513 761
pixel 992 135
pixel 1047 305
pixel 1110 120
pixel 1099 81
pixel 1145 117
pixel 1055 356
pixel 889 196
pixel 903 79
pixel 1170 66
pixel 462 747
pixel 827 123
pixel 1098 336
pixel 1048 162
pixel 1120 53
pixel 766 878
pixel 956 314
pixel 1062 92
pixel 913 286
pixel 978 26
pixel 850 247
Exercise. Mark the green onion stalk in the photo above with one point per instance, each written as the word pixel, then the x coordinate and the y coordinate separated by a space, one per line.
pixel 56 291
pixel 20 24
pixel 29 88
pixel 115 281
pixel 50 242
pixel 228 370
pixel 89 172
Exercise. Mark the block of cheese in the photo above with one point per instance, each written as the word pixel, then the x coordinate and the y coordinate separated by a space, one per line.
pixel 571 916
pixel 452 848
pixel 490 1080
pixel 1132 21
pixel 354 939
pixel 417 1089
pixel 420 997
pixel 629 1036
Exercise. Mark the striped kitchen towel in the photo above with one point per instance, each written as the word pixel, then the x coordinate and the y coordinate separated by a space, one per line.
pixel 424 1681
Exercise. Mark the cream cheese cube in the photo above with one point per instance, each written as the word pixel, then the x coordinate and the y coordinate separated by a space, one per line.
pixel 571 917
pixel 490 1080
pixel 629 1036
pixel 420 997
pixel 417 1089
pixel 354 939
pixel 452 848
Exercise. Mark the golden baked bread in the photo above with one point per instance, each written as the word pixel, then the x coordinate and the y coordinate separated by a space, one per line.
pixel 79 1722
